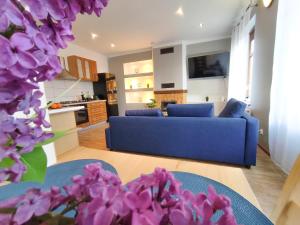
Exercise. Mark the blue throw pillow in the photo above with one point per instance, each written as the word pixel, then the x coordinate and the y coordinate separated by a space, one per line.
pixel 144 112
pixel 191 110
pixel 233 108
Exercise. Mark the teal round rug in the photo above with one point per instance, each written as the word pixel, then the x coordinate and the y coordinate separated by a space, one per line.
pixel 57 175
pixel 245 212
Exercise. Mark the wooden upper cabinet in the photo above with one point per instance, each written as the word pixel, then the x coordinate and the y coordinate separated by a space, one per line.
pixel 83 68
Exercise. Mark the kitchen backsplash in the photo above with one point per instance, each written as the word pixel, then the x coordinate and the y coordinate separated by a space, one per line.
pixel 56 87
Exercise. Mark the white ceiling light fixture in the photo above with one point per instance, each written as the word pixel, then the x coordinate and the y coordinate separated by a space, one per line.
pixel 179 12
pixel 94 36
pixel 112 45
pixel 267 3
pixel 201 25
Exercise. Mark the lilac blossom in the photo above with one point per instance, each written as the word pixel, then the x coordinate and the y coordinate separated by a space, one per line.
pixel 31 33
pixel 99 198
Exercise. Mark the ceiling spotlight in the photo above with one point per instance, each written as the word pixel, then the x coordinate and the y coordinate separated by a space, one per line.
pixel 112 45
pixel 201 25
pixel 179 12
pixel 94 36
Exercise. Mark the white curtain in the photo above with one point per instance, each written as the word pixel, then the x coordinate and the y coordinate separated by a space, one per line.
pixel 239 58
pixel 284 121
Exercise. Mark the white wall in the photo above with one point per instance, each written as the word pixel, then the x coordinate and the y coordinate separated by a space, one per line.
pixel 170 68
pixel 265 32
pixel 214 88
pixel 54 88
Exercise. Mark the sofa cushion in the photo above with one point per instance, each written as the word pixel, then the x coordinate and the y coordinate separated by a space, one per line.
pixel 144 112
pixel 190 110
pixel 233 109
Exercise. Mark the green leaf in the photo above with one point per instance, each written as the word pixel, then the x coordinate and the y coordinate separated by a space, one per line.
pixel 36 163
pixel 6 163
pixel 57 135
pixel 7 210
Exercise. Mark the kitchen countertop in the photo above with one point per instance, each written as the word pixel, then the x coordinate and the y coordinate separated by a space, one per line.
pixel 80 103
pixel 65 109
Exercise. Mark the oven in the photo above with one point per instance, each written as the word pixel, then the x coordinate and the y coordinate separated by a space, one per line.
pixel 81 116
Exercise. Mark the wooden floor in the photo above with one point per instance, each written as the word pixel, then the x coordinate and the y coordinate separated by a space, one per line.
pixel 266 179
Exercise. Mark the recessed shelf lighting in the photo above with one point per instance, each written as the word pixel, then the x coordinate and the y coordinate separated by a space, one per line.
pixel 179 11
pixel 112 45
pixel 94 36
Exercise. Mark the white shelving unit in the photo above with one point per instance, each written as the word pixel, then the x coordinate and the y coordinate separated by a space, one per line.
pixel 138 78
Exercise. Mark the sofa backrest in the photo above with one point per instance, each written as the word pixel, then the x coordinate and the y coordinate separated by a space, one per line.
pixel 144 112
pixel 217 139
pixel 191 110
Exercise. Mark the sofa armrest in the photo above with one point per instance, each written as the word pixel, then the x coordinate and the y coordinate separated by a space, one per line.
pixel 108 137
pixel 252 133
pixel 191 110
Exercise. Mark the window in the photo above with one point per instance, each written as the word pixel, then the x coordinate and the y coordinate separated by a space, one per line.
pixel 250 65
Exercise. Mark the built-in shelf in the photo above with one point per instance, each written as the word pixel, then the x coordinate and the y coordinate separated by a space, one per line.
pixel 138 79
pixel 138 67
pixel 139 75
pixel 139 89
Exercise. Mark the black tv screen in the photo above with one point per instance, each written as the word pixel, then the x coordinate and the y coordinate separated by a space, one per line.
pixel 209 65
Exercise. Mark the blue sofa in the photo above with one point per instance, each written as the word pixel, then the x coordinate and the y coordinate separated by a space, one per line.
pixel 225 140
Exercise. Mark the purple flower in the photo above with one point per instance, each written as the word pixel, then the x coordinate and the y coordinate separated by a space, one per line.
pixel 34 203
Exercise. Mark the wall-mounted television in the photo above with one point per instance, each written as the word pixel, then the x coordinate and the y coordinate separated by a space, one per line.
pixel 213 65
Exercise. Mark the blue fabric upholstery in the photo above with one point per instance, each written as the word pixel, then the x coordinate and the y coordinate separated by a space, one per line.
pixel 190 110
pixel 233 109
pixel 252 129
pixel 144 112
pixel 227 140
pixel 107 138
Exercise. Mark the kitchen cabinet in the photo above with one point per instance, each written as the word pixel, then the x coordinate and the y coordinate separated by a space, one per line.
pixel 97 112
pixel 85 69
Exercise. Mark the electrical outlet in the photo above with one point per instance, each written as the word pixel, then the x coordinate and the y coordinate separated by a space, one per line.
pixel 261 132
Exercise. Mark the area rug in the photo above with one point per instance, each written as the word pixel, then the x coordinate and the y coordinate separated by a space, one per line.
pixel 57 175
pixel 245 212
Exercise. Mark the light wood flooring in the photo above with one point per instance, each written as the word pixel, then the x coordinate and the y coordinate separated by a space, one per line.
pixel 266 179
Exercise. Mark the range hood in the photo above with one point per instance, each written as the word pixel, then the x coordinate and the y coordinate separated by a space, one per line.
pixel 66 75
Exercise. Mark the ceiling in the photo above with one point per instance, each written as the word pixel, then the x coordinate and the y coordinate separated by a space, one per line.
pixel 139 24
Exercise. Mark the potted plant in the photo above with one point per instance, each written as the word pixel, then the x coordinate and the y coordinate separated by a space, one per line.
pixel 152 104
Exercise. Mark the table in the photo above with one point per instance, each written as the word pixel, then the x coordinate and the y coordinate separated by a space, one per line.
pixel 131 166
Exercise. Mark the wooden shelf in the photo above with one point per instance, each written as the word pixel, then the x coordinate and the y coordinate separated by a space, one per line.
pixel 138 75
pixel 139 89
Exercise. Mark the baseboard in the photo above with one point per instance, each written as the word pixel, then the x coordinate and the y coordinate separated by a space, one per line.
pixel 264 149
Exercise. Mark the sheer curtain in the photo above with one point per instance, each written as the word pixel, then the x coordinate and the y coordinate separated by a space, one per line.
pixel 239 57
pixel 284 121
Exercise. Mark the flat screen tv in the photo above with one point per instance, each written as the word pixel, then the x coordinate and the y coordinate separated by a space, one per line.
pixel 214 65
